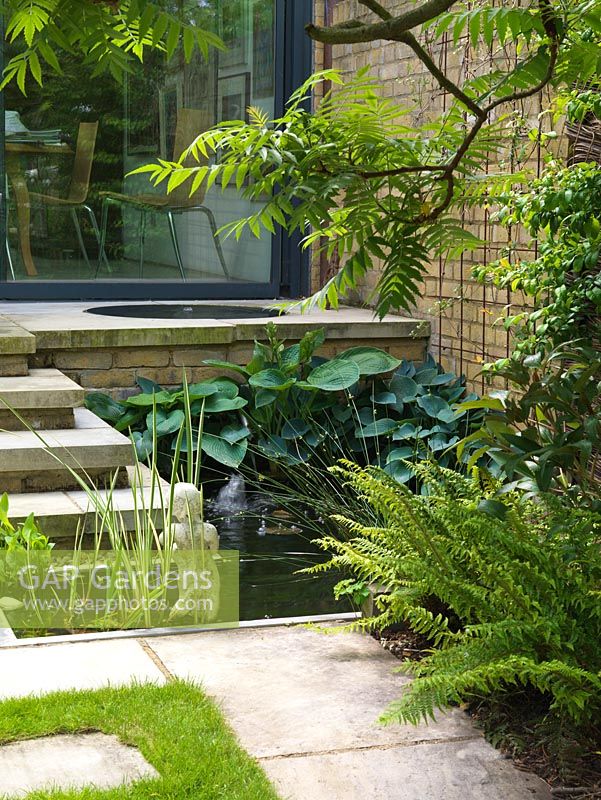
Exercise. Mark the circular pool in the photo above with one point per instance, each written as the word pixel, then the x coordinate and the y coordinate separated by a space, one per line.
pixel 184 311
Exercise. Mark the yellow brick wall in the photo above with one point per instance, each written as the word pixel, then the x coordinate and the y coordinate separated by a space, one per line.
pixel 462 312
pixel 115 370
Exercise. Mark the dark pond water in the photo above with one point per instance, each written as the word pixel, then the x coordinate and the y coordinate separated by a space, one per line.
pixel 183 311
pixel 271 552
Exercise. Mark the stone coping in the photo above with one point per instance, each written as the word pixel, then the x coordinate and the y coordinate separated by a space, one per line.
pixel 58 326
pixel 14 339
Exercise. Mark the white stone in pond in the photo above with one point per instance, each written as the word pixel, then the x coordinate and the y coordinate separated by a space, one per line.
pixel 187 502
pixel 199 536
pixel 70 762
pixel 190 532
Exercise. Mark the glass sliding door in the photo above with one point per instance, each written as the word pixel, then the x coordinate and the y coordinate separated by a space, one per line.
pixel 73 216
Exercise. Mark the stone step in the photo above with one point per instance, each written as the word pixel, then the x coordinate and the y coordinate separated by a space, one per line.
pixel 44 399
pixel 63 515
pixel 37 462
pixel 15 346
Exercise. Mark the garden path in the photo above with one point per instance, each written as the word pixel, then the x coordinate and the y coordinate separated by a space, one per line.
pixel 303 703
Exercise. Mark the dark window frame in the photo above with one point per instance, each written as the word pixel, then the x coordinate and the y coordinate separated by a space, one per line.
pixel 290 267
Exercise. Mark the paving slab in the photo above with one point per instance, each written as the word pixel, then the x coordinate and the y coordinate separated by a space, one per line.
pixel 14 339
pixel 77 665
pixel 42 388
pixel 448 771
pixel 291 690
pixel 67 325
pixel 91 444
pixel 61 515
pixel 56 513
pixel 306 705
pixel 70 762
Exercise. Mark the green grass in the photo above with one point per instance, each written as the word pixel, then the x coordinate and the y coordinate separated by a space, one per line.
pixel 176 727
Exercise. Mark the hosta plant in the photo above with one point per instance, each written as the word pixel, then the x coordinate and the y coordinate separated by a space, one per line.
pixel 290 406
pixel 364 404
pixel 159 413
pixel 517 584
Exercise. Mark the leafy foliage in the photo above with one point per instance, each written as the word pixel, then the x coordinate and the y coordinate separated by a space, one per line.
pixel 546 434
pixel 360 181
pixel 25 536
pixel 108 34
pixel 364 404
pixel 292 406
pixel 303 163
pixel 517 583
pixel 562 210
pixel 160 415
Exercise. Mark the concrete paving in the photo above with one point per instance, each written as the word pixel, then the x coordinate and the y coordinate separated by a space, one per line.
pixel 70 762
pixel 434 771
pixel 81 665
pixel 93 443
pixel 67 325
pixel 42 388
pixel 305 704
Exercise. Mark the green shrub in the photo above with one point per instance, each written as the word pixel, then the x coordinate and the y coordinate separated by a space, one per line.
pixel 161 413
pixel 24 536
pixel 546 434
pixel 517 584
pixel 292 406
pixel 561 210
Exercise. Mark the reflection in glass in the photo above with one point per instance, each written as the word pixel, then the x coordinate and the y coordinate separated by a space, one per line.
pixel 71 144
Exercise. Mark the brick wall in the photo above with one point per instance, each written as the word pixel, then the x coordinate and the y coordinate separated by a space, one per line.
pixel 463 313
pixel 115 369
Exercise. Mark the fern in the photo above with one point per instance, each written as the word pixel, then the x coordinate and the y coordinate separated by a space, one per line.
pixel 521 578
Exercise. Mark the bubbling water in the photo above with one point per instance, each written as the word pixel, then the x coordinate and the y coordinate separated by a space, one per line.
pixel 231 498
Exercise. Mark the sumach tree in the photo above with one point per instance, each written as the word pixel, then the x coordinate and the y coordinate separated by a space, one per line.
pixel 108 35
pixel 357 181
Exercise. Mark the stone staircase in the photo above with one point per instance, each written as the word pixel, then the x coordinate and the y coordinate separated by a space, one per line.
pixel 45 435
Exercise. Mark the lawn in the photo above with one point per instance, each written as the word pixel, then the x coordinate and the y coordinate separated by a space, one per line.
pixel 176 727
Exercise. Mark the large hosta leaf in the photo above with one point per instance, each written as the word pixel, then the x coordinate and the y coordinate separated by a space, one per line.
pixel 378 428
pixel 147 386
pixel 384 398
pixel 215 362
pixel 273 379
pixel 295 428
pixel 234 433
pixel 166 422
pixel 427 376
pixel 436 407
pixel 371 360
pixel 406 431
pixel 148 400
pixel 143 443
pixel 265 397
pixel 230 454
pixel 216 404
pixel 400 471
pixel 335 375
pixel 105 407
pixel 400 454
pixel 405 388
pixel 226 387
pixel 199 390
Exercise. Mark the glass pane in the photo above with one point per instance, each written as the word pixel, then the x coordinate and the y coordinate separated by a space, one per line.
pixel 71 144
